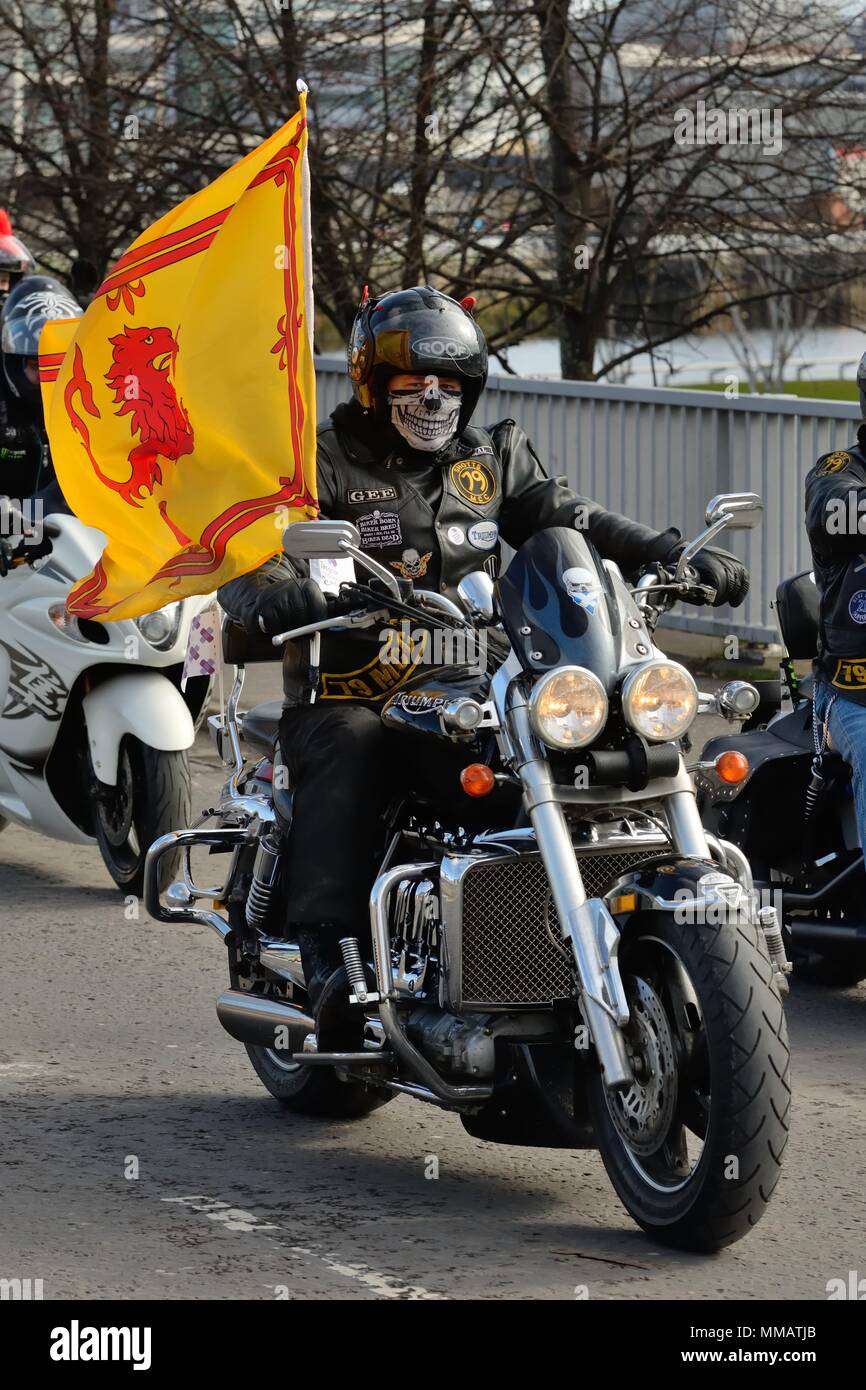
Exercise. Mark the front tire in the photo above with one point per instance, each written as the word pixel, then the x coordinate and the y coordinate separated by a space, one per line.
pixel 151 797
pixel 694 1149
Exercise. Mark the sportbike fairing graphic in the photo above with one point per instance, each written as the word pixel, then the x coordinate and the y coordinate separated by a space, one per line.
pixel 34 686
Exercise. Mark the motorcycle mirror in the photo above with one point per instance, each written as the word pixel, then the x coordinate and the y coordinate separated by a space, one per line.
pixel 744 509
pixel 320 540
pixel 476 594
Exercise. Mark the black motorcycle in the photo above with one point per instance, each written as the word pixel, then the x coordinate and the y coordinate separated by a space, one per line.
pixel 792 813
pixel 560 956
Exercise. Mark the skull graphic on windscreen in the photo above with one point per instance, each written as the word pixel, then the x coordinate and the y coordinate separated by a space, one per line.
pixel 581 585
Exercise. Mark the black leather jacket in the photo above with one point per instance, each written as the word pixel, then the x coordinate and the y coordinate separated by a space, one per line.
pixel 836 524
pixel 26 469
pixel 433 521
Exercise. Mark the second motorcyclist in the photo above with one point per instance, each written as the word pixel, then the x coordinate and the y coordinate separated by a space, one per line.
pixel 26 470
pixel 836 525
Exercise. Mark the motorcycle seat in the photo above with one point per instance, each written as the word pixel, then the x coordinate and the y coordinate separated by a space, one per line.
pixel 798 606
pixel 260 724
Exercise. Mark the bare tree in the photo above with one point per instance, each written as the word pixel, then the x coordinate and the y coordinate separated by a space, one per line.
pixel 667 147
pixel 86 147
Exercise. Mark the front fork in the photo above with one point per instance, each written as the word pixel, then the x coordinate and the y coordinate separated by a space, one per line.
pixel 585 922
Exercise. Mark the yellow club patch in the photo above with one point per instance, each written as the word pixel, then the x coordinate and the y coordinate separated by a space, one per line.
pixel 474 480
pixel 833 463
pixel 850 673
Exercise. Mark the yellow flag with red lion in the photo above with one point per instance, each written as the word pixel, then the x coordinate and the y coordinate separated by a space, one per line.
pixel 180 407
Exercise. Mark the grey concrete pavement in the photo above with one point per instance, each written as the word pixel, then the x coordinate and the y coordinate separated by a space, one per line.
pixel 140 1156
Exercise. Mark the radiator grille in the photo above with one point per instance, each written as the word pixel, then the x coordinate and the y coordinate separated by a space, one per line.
pixel 508 956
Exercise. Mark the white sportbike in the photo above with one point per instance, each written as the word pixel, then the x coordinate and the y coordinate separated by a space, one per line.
pixel 94 729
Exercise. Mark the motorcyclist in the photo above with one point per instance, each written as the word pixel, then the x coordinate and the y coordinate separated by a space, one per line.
pixel 431 495
pixel 26 470
pixel 15 260
pixel 836 525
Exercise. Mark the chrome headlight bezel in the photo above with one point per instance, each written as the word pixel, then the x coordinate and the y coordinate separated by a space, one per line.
pixel 630 689
pixel 543 685
pixel 165 643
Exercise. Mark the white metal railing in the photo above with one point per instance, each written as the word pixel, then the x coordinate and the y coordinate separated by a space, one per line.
pixel 659 454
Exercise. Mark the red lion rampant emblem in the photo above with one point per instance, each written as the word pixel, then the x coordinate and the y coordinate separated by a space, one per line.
pixel 141 377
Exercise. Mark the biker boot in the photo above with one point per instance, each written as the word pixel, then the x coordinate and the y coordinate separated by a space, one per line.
pixel 339 1024
pixel 320 956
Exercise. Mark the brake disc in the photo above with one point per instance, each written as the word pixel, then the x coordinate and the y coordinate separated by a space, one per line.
pixel 643 1113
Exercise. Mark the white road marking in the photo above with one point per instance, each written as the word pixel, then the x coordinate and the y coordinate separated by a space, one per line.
pixel 236 1219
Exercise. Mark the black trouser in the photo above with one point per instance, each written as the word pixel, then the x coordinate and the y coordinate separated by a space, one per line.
pixel 344 766
pixel 335 755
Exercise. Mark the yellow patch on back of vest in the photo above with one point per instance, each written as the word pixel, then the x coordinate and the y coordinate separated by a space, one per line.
pixel 833 463
pixel 850 673
pixel 474 480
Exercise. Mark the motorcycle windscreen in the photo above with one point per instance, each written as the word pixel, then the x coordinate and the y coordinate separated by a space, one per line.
pixel 558 605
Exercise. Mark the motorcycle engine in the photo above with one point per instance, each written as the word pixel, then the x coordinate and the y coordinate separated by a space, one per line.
pixel 415 939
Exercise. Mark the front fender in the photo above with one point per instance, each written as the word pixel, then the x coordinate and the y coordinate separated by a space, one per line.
pixel 144 704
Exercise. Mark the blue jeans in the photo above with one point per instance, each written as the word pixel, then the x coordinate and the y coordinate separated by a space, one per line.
pixel 847 723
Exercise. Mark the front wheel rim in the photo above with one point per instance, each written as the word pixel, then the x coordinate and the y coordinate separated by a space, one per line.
pixel 661 1120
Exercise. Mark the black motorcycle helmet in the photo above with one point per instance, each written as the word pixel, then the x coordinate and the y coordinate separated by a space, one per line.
pixel 28 308
pixel 416 330
pixel 15 260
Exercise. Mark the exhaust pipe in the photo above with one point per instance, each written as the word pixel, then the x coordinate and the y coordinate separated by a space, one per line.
pixel 820 935
pixel 253 1019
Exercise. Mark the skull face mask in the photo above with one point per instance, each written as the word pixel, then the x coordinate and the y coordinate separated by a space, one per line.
pixel 426 416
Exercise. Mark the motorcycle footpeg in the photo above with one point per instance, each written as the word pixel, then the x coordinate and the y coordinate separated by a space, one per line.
pixel 341 1059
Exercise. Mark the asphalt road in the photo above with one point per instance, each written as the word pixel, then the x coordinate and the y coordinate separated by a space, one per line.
pixel 141 1158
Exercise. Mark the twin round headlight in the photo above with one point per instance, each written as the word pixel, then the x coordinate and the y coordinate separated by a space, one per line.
pixel 659 700
pixel 568 707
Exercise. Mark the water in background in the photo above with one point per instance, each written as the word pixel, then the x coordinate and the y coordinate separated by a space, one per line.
pixel 820 355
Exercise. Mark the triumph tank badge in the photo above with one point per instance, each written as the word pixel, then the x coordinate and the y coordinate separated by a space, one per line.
pixel 412 565
pixel 34 688
pixel 474 480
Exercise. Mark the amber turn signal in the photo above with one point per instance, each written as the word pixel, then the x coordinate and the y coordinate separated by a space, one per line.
pixel 732 767
pixel 477 779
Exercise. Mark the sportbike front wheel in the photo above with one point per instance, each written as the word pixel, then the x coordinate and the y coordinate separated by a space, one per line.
pixel 152 795
pixel 694 1147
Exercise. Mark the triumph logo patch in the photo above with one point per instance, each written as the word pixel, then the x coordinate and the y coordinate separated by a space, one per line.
pixel 474 480
pixel 850 673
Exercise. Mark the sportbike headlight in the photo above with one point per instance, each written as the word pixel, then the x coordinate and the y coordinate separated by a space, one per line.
pixel 568 707
pixel 659 700
pixel 160 628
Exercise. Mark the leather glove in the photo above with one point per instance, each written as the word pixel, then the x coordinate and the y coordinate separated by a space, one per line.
pixel 724 573
pixel 291 603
